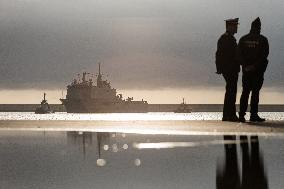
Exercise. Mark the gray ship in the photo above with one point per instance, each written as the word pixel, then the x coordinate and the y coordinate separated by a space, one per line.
pixel 44 107
pixel 183 108
pixel 85 97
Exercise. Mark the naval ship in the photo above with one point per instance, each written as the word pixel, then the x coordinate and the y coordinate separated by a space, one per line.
pixel 85 97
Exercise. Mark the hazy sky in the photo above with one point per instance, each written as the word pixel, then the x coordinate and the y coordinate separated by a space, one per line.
pixel 142 44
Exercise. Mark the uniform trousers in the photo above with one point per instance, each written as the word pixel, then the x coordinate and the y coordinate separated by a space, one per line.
pixel 229 108
pixel 252 83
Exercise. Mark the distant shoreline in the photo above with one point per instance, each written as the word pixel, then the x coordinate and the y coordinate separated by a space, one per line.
pixel 151 108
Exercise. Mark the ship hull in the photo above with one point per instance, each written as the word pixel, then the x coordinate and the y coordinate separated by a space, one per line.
pixel 91 106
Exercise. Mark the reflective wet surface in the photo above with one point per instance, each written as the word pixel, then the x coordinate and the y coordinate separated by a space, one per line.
pixel 119 160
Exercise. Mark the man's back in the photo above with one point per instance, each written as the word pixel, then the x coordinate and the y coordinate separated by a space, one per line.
pixel 253 50
pixel 226 61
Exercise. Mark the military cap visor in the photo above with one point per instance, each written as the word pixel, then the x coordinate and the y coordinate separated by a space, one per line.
pixel 232 21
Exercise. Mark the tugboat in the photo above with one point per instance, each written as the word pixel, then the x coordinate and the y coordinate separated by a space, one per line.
pixel 183 108
pixel 44 107
pixel 85 97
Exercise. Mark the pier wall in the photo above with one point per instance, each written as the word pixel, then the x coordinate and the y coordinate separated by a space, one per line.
pixel 151 107
pixel 28 107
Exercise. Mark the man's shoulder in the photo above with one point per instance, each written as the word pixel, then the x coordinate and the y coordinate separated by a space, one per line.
pixel 263 37
pixel 245 37
pixel 227 37
pixel 223 36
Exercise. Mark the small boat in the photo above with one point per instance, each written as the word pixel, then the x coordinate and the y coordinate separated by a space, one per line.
pixel 183 108
pixel 44 107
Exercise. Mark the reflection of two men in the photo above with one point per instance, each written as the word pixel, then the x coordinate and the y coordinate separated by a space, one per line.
pixel 253 173
pixel 253 167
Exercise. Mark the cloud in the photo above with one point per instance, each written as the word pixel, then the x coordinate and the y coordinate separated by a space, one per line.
pixel 141 44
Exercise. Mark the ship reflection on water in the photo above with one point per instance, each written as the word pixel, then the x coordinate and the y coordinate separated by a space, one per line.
pixel 229 175
pixel 118 160
pixel 86 139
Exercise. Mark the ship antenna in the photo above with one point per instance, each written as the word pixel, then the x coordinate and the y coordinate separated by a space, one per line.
pixel 99 78
pixel 99 68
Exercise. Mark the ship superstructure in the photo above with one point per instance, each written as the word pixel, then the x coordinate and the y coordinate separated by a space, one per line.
pixel 85 97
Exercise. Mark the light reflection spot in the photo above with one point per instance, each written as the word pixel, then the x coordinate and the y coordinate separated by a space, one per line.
pixel 106 147
pixel 114 148
pixel 137 162
pixel 125 146
pixel 101 162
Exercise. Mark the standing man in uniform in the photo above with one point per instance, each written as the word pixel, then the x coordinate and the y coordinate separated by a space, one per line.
pixel 253 51
pixel 228 66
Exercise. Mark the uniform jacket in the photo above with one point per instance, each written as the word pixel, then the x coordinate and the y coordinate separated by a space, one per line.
pixel 253 49
pixel 226 59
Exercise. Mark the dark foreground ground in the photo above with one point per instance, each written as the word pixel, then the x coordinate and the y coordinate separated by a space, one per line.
pixel 121 155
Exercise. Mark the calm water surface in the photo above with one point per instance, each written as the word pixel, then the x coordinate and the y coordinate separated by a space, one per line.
pixel 88 160
pixel 118 160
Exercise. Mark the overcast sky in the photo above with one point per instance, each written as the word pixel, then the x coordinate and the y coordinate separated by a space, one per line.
pixel 142 44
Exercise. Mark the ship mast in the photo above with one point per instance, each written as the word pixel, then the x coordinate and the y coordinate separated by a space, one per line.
pixel 99 79
pixel 99 68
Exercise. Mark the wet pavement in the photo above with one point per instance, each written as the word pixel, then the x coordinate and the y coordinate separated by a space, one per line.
pixel 77 159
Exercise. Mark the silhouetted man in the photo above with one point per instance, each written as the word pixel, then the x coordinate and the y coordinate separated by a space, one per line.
pixel 253 51
pixel 228 66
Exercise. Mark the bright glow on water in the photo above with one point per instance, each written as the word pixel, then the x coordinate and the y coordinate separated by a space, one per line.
pixel 101 162
pixel 163 145
pixel 137 162
pixel 114 148
pixel 125 146
pixel 128 116
pixel 106 147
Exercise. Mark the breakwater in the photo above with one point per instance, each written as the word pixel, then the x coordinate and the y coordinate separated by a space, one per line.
pixel 151 107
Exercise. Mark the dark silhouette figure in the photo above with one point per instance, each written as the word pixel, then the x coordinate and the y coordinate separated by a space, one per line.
pixel 228 66
pixel 253 172
pixel 253 50
pixel 229 176
pixel 245 162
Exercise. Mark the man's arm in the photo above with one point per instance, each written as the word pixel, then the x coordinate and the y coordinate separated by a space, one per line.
pixel 262 61
pixel 240 55
pixel 218 57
